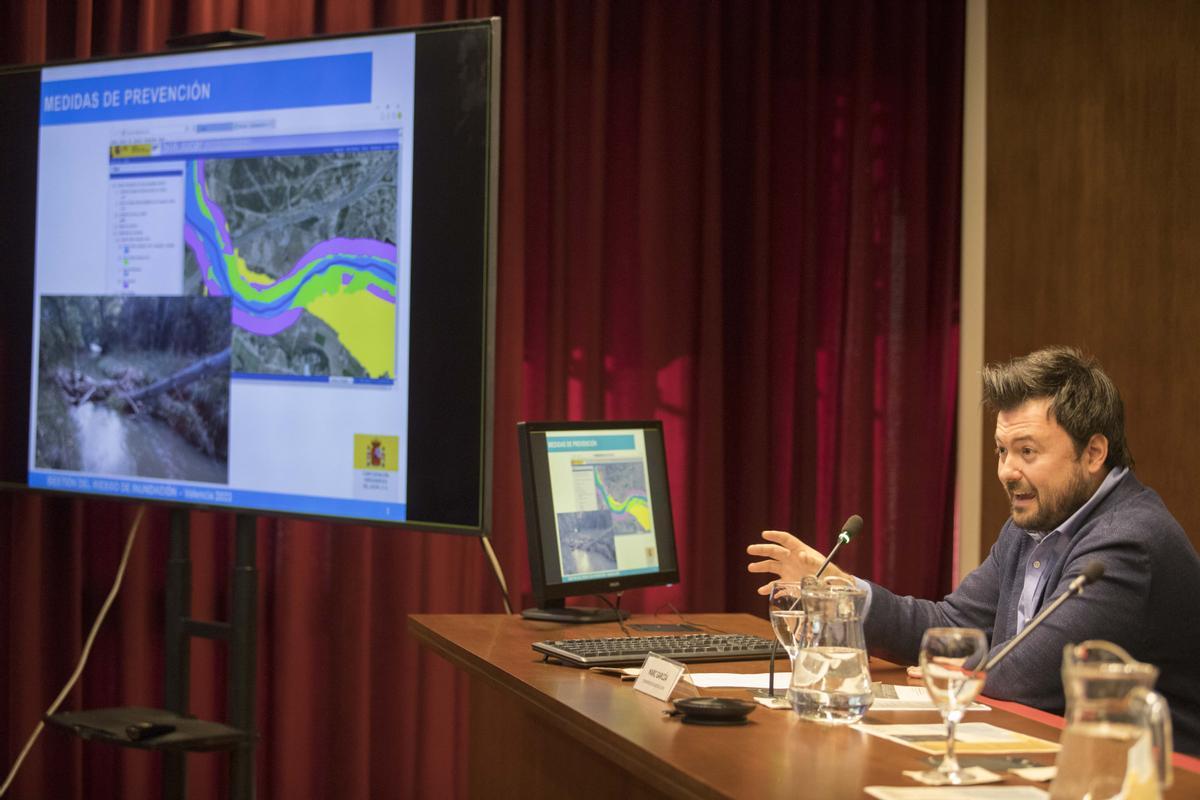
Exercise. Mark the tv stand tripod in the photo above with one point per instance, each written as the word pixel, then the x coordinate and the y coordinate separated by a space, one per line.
pixel 238 736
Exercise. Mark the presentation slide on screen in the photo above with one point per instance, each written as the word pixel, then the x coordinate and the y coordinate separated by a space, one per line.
pixel 222 277
pixel 603 516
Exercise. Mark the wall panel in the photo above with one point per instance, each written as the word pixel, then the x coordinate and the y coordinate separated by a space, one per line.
pixel 1093 215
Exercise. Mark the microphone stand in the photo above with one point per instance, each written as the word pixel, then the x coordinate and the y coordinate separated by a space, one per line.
pixel 771 669
pixel 852 527
pixel 843 537
pixel 1075 588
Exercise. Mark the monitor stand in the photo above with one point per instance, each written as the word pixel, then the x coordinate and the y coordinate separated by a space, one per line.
pixel 558 611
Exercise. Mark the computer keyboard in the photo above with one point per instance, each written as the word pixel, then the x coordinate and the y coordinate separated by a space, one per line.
pixel 631 650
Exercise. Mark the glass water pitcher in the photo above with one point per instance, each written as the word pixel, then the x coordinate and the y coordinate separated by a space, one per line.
pixel 1117 739
pixel 830 679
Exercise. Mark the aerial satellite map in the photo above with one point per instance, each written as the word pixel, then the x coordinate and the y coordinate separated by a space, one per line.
pixel 305 245
pixel 620 506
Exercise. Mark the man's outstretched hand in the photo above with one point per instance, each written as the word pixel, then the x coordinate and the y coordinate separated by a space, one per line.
pixel 788 557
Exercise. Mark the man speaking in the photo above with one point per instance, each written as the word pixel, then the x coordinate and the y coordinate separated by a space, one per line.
pixel 1062 458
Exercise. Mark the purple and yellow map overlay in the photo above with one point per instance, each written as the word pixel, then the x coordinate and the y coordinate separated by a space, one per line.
pixel 348 283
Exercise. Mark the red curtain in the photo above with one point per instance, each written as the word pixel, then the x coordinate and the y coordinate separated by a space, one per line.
pixel 739 217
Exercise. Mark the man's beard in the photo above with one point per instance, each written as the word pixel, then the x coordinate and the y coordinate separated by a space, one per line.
pixel 1053 510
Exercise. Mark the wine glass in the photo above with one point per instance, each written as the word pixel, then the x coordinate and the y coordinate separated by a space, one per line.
pixel 953 664
pixel 787 615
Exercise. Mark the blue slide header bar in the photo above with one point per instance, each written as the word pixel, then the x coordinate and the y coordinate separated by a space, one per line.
pixel 290 83
pixel 561 444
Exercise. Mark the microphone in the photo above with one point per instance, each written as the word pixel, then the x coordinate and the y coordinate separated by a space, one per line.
pixel 1092 572
pixel 850 529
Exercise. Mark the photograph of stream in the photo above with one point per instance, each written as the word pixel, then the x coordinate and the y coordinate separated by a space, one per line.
pixel 134 386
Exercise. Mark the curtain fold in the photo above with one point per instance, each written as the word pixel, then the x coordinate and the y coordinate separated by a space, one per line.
pixel 739 217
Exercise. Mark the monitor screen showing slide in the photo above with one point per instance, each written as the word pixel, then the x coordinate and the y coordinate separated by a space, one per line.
pixel 598 512
pixel 241 272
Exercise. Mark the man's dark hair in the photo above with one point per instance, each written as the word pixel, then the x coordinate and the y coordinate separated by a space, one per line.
pixel 1082 398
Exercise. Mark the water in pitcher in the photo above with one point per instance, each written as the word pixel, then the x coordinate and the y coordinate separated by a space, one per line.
pixel 1093 761
pixel 831 684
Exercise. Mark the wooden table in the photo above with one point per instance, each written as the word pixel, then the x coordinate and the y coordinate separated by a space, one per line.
pixel 545 730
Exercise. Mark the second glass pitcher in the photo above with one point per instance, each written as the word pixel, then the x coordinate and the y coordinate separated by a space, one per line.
pixel 1117 740
pixel 830 678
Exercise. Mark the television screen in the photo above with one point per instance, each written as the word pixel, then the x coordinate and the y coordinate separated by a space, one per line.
pixel 597 512
pixel 258 277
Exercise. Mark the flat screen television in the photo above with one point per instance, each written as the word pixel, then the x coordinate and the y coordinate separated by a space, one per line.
pixel 597 513
pixel 257 277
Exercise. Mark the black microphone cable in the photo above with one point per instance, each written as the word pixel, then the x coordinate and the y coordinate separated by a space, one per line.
pixel 616 609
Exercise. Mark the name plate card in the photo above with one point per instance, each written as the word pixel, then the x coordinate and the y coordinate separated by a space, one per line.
pixel 659 676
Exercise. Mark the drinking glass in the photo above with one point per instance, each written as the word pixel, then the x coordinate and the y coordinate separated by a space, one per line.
pixel 953 664
pixel 787 615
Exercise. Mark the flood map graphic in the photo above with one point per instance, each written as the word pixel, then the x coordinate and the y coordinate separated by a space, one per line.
pixel 305 247
pixel 586 538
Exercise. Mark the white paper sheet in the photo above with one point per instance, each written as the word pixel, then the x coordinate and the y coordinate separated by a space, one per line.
pixel 903 698
pixel 738 680
pixel 889 697
pixel 974 738
pixel 957 793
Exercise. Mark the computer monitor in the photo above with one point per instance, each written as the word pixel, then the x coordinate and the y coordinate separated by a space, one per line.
pixel 257 277
pixel 597 513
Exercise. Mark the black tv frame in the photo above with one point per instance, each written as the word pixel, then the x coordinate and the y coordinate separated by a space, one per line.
pixel 541 530
pixel 464 312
